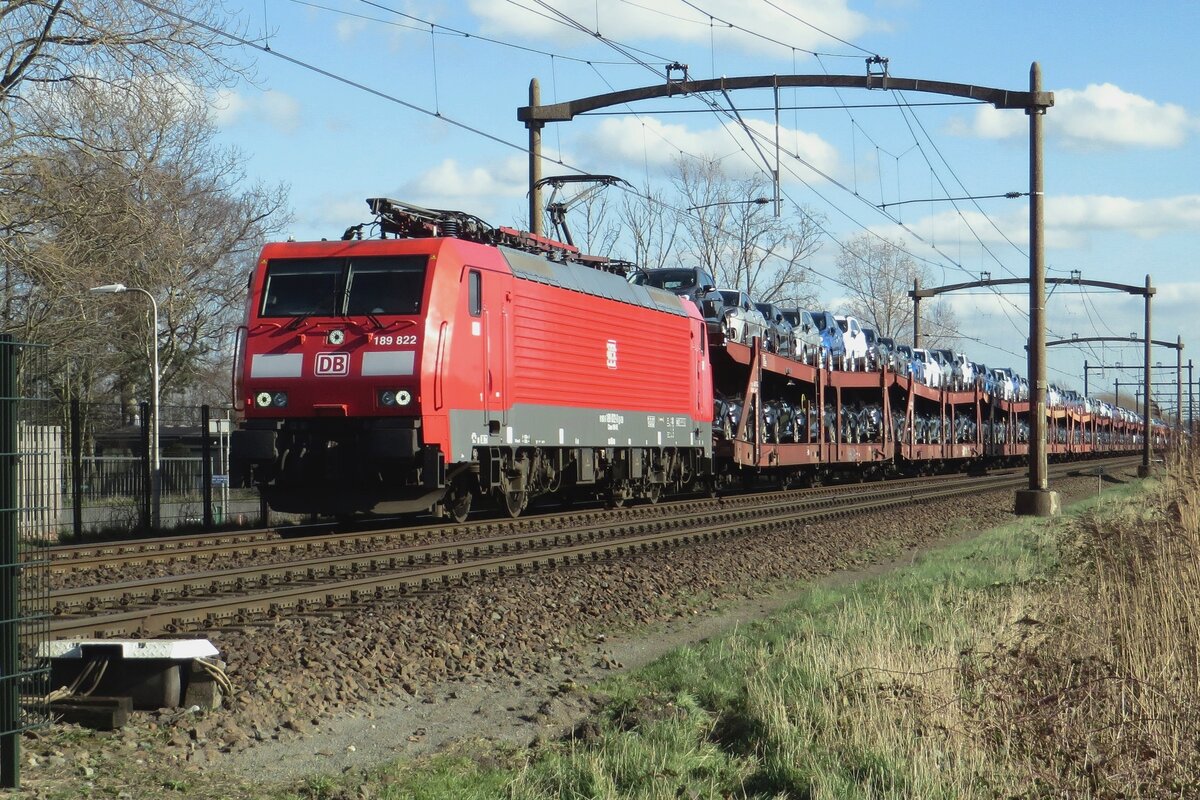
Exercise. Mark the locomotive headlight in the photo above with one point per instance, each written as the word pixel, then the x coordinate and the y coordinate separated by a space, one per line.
pixel 394 397
pixel 262 399
pixel 280 399
pixel 336 336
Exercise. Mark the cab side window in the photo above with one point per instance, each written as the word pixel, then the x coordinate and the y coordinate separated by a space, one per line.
pixel 474 293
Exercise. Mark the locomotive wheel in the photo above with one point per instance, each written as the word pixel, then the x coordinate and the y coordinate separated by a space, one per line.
pixel 515 502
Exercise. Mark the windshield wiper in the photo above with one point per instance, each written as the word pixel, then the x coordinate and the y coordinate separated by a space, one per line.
pixel 297 322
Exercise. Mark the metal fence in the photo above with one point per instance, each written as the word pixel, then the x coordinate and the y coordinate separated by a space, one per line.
pixel 102 479
pixel 30 499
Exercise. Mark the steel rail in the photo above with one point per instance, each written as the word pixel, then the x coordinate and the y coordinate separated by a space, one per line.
pixel 242 579
pixel 73 558
pixel 213 613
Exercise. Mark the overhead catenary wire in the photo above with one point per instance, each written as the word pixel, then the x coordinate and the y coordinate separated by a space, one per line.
pixel 555 15
pixel 858 126
pixel 898 97
pixel 421 24
pixel 568 21
pixel 400 101
pixel 332 75
pixel 821 31
pixel 771 39
pixel 974 198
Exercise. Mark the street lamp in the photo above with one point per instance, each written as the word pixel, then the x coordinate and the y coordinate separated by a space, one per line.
pixel 1009 195
pixel 758 201
pixel 155 461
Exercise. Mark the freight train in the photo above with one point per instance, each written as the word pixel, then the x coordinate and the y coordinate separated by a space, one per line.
pixel 445 363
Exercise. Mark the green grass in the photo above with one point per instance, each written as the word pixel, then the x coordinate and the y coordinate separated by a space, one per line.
pixel 855 691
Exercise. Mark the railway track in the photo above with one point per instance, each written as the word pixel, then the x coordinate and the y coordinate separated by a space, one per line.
pixel 269 543
pixel 188 603
pixel 315 567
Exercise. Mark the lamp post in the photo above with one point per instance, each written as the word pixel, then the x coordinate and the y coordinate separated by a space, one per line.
pixel 757 201
pixel 155 461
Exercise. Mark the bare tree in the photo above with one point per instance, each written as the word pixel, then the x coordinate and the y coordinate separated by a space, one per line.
pixel 879 274
pixel 109 173
pixel 107 47
pixel 651 226
pixel 732 232
pixel 598 231
pixel 155 204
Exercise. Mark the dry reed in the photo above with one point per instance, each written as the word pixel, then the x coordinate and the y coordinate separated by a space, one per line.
pixel 1097 694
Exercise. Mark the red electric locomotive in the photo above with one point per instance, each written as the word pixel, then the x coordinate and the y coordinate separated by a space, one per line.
pixel 448 360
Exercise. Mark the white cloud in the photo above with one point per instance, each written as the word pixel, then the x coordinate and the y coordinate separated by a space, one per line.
pixel 639 142
pixel 348 29
pixel 1069 219
pixel 280 110
pixel 330 216
pixel 1178 299
pixel 1142 218
pixel 678 22
pixel 480 190
pixel 1101 116
pixel 228 106
pixel 991 123
pixel 277 109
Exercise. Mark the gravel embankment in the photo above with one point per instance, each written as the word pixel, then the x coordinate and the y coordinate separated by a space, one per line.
pixel 296 679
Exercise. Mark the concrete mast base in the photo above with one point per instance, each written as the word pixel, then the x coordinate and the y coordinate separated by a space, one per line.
pixel 1037 503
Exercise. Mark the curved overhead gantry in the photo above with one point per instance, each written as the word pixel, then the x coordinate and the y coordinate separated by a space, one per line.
pixel 1039 355
pixel 1176 345
pixel 535 116
pixel 1038 500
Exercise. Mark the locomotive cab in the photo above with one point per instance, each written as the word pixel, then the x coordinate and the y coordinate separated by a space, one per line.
pixel 330 361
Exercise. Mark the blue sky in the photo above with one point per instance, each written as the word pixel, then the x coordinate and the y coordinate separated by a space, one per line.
pixel 1122 172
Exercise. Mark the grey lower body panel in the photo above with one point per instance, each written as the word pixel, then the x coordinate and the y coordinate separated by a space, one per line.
pixel 557 426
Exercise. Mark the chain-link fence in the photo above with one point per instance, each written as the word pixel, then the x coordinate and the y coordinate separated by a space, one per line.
pixel 69 469
pixel 30 465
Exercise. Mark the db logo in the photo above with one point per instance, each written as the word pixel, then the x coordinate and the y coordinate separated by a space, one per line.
pixel 333 364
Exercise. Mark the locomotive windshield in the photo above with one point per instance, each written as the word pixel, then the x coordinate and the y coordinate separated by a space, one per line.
pixel 671 280
pixel 363 285
pixel 302 287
